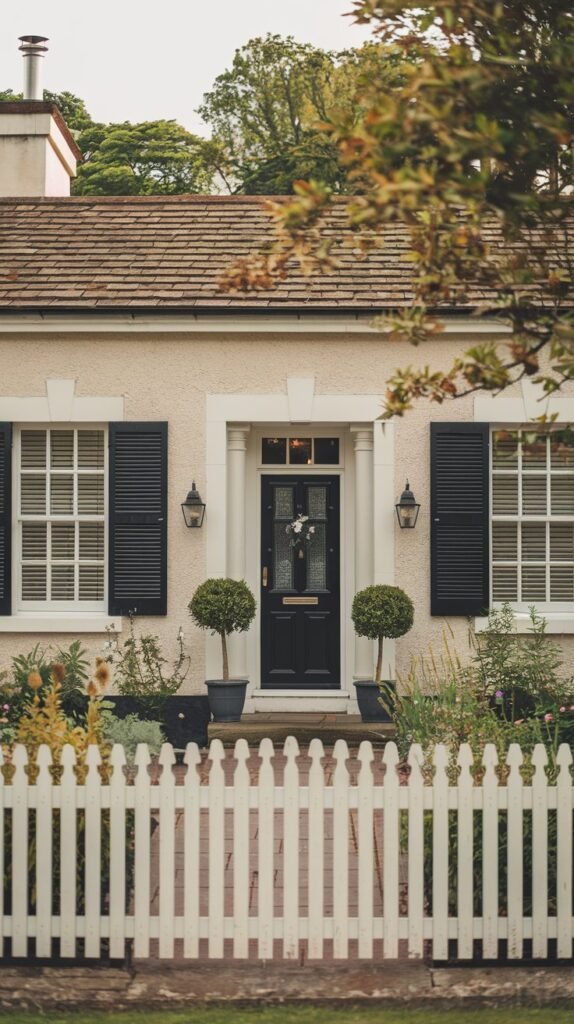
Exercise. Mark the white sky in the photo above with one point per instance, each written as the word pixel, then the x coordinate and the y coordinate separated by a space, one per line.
pixel 139 60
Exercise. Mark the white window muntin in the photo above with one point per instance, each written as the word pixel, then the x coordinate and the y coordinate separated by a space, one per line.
pixel 73 518
pixel 273 430
pixel 533 576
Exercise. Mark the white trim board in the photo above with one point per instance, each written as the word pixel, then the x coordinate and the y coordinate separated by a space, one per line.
pixel 61 404
pixel 523 408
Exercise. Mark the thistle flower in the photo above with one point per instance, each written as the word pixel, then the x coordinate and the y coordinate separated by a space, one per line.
pixel 34 680
pixel 102 673
pixel 499 694
pixel 92 688
pixel 58 671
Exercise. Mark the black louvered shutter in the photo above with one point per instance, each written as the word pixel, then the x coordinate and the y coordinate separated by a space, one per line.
pixel 459 518
pixel 138 519
pixel 5 518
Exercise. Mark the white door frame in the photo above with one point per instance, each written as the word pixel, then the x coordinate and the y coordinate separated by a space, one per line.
pixel 299 406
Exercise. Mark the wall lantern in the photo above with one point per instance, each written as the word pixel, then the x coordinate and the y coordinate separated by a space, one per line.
pixel 193 508
pixel 407 509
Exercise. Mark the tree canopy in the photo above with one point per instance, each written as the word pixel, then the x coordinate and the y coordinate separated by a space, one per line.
pixel 475 138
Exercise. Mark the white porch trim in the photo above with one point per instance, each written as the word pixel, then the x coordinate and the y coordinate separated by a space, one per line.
pixel 226 415
pixel 61 404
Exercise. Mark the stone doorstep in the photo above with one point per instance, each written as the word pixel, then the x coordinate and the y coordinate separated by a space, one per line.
pixel 328 731
pixel 152 986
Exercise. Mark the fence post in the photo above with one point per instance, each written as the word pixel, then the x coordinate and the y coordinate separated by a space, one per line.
pixel 440 854
pixel 291 851
pixel 265 825
pixel 93 852
pixel 44 862
pixel 539 853
pixel 216 849
pixel 20 847
pixel 166 851
pixel 142 851
pixel 391 852
pixel 341 852
pixel 515 869
pixel 564 852
pixel 240 852
pixel 465 854
pixel 490 842
pixel 117 853
pixel 365 840
pixel 191 847
pixel 316 850
pixel 416 854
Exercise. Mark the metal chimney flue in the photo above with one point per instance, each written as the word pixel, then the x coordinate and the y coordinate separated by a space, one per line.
pixel 33 50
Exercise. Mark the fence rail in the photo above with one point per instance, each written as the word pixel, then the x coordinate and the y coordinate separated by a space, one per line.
pixel 288 854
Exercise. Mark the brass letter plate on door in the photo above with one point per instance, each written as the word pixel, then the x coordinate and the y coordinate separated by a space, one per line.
pixel 300 600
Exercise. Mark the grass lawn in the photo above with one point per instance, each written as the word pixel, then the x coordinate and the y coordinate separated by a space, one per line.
pixel 303 1015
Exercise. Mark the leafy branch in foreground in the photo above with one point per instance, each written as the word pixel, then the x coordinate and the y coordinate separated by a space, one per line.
pixel 471 155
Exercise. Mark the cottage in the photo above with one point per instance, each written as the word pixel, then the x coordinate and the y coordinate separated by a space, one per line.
pixel 127 374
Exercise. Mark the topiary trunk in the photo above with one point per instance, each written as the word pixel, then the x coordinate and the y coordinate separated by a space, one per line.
pixel 379 667
pixel 225 658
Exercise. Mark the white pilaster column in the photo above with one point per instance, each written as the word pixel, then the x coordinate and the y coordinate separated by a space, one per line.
pixel 235 561
pixel 364 535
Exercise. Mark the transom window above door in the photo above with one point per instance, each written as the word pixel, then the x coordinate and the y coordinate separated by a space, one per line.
pixel 300 451
pixel 61 518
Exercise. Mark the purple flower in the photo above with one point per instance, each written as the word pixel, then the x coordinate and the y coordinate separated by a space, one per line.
pixel 499 694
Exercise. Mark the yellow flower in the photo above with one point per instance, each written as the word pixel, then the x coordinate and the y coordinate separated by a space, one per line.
pixel 92 688
pixel 34 680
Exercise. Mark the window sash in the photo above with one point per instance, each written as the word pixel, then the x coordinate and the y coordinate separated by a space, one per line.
pixel 57 518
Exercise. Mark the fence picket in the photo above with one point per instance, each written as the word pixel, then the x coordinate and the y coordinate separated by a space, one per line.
pixel 240 853
pixel 216 849
pixel 490 841
pixel 20 847
pixel 391 852
pixel 539 853
pixel 68 852
pixel 564 852
pixel 44 862
pixel 191 848
pixel 440 854
pixel 515 868
pixel 341 851
pixel 166 852
pixel 265 844
pixel 415 825
pixel 365 838
pixel 3 858
pixel 117 853
pixel 93 852
pixel 291 850
pixel 142 862
pixel 465 851
pixel 315 851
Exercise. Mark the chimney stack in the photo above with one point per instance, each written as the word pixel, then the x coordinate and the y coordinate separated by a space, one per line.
pixel 33 50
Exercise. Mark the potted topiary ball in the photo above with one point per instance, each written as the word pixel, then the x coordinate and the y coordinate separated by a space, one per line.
pixel 224 606
pixel 379 611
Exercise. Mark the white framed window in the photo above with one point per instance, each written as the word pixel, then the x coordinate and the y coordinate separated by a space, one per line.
pixel 532 517
pixel 60 518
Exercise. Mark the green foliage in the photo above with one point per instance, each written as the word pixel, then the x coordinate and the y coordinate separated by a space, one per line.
pixel 140 669
pixel 223 606
pixel 381 611
pixel 130 731
pixel 151 158
pixel 72 669
pixel 472 145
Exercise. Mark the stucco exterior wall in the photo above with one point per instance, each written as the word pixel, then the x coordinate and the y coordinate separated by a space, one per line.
pixel 168 377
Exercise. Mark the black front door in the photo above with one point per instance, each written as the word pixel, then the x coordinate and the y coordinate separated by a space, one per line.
pixel 300 607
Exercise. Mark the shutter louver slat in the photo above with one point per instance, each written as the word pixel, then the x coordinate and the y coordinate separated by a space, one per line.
pixel 459 518
pixel 5 518
pixel 138 518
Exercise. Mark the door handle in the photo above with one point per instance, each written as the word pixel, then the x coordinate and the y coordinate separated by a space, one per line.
pixel 264 576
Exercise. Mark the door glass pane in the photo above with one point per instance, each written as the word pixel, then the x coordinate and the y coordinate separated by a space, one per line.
pixel 283 559
pixel 327 451
pixel 300 453
pixel 316 559
pixel 274 451
pixel 317 502
pixel 283 503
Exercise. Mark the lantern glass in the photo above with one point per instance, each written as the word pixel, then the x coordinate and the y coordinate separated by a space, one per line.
pixel 407 509
pixel 193 508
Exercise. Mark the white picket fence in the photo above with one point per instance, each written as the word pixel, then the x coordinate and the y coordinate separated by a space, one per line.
pixel 266 855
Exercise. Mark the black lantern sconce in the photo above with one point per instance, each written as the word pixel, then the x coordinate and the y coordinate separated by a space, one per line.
pixel 407 509
pixel 193 508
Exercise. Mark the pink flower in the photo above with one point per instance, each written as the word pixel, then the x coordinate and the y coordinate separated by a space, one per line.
pixel 571 708
pixel 548 718
pixel 5 707
pixel 563 709
pixel 519 721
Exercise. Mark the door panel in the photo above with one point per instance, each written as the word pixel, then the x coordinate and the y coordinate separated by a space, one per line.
pixel 300 580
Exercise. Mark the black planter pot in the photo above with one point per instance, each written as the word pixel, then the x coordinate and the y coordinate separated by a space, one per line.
pixel 368 698
pixel 226 698
pixel 184 718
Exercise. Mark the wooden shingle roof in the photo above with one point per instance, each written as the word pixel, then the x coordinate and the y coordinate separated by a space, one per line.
pixel 151 253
